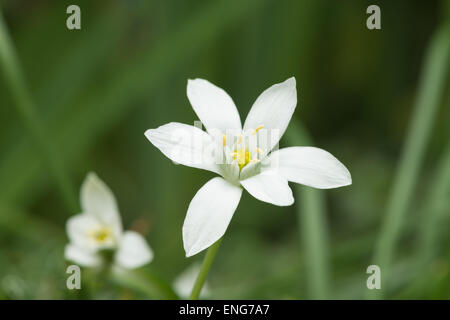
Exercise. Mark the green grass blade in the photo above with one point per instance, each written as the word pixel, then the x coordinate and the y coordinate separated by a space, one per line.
pixel 434 210
pixel 26 109
pixel 430 91
pixel 90 119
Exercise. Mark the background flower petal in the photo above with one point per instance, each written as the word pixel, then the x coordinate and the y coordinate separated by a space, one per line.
pixel 133 251
pixel 184 282
pixel 97 199
pixel 78 228
pixel 81 256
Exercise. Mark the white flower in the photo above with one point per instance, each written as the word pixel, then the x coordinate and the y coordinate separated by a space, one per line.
pixel 243 156
pixel 99 227
pixel 185 281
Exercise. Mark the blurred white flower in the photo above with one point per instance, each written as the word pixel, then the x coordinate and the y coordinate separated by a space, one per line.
pixel 99 227
pixel 184 283
pixel 244 157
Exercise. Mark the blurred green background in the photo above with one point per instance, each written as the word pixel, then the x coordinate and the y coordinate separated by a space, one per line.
pixel 376 99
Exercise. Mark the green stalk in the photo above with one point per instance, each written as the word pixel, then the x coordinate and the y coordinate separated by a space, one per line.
pixel 207 262
pixel 430 229
pixel 311 214
pixel 430 92
pixel 434 210
pixel 26 109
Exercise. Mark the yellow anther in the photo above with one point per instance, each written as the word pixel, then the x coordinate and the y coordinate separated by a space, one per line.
pixel 257 129
pixel 241 153
pixel 242 156
pixel 224 140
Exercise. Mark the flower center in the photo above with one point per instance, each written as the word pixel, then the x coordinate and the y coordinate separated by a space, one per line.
pixel 241 153
pixel 243 157
pixel 243 148
pixel 101 234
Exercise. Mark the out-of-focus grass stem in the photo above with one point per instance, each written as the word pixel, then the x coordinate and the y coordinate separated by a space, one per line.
pixel 311 213
pixel 430 231
pixel 430 91
pixel 26 108
pixel 434 209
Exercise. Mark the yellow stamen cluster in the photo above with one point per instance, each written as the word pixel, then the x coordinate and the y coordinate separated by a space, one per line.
pixel 242 153
pixel 101 234
pixel 244 157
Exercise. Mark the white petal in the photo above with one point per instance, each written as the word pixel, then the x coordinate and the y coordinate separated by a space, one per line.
pixel 230 171
pixel 97 199
pixel 273 110
pixel 269 187
pixel 250 170
pixel 213 106
pixel 133 251
pixel 310 166
pixel 82 256
pixel 209 214
pixel 78 228
pixel 184 144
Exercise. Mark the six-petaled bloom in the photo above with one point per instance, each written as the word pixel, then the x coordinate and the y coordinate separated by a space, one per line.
pixel 245 157
pixel 99 229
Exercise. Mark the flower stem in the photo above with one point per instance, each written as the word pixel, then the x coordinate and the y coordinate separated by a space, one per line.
pixel 207 262
pixel 26 109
